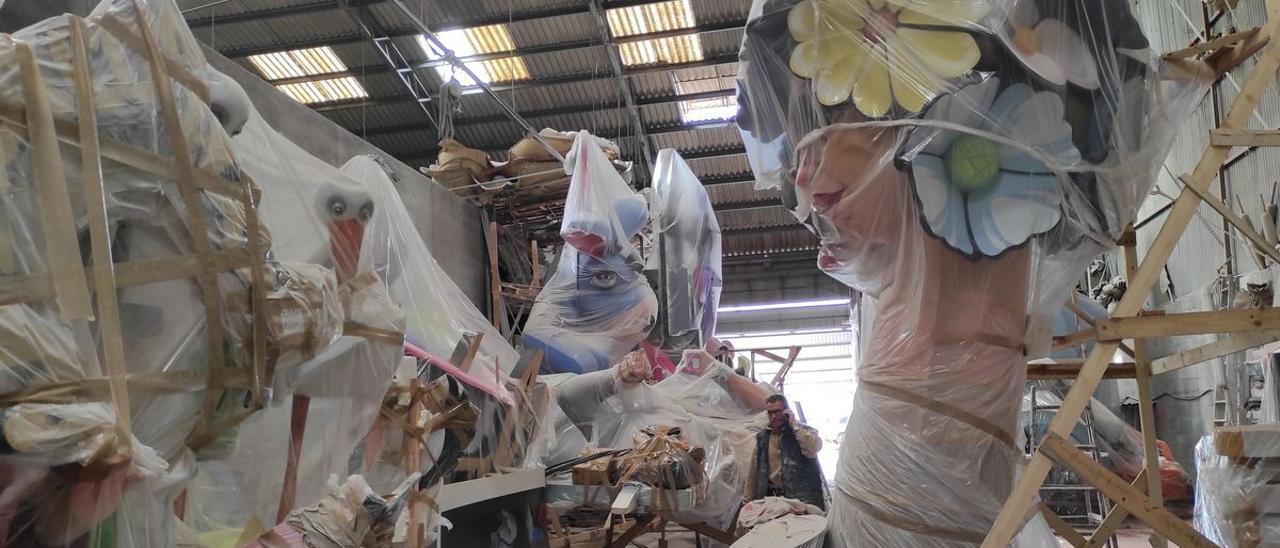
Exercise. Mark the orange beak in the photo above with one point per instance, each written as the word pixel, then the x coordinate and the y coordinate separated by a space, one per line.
pixel 345 238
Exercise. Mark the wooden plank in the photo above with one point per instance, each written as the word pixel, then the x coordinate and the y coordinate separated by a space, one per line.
pixel 195 213
pixel 713 533
pixel 1213 350
pixel 640 527
pixel 1114 519
pixel 1146 408
pixel 1245 137
pixel 495 282
pixel 1242 225
pixel 1189 323
pixel 1074 339
pixel 1061 527
pixel 1216 43
pixel 57 221
pixel 297 429
pixel 99 233
pixel 1111 486
pixel 1070 368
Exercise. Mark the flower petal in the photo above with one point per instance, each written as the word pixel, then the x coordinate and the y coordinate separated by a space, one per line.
pixel 1025 13
pixel 806 59
pixel 871 91
pixel 1065 46
pixel 913 86
pixel 940 204
pixel 1021 206
pixel 1043 65
pixel 948 54
pixel 966 107
pixel 834 83
pixel 802 20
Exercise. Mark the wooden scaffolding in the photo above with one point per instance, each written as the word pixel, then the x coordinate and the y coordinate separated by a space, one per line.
pixel 1247 328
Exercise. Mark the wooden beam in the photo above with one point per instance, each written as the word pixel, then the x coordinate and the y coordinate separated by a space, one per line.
pixel 1146 408
pixel 1115 518
pixel 1111 486
pixel 1217 43
pixel 1070 368
pixel 1242 225
pixel 1216 349
pixel 1188 323
pixel 1245 137
pixel 1061 527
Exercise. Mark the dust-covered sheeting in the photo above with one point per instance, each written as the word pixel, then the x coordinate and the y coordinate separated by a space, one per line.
pixel 1238 486
pixel 962 162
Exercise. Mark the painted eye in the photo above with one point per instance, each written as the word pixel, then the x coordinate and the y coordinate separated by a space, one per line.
pixel 366 211
pixel 337 206
pixel 604 280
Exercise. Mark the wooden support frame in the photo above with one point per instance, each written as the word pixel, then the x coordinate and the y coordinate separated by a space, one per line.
pixel 1128 322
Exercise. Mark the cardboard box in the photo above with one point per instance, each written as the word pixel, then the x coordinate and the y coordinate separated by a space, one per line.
pixel 597 472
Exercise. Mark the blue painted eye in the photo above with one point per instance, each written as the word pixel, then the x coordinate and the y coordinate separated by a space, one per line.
pixel 604 280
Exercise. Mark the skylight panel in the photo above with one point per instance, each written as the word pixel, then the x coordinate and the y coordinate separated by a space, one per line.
pixel 325 91
pixel 297 63
pixel 650 18
pixel 710 109
pixel 488 39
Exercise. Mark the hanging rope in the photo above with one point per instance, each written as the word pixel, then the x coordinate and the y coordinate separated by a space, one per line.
pixel 450 105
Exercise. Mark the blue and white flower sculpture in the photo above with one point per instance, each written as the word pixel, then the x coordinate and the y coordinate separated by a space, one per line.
pixel 984 195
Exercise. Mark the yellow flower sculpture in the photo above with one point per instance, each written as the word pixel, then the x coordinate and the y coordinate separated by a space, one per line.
pixel 881 52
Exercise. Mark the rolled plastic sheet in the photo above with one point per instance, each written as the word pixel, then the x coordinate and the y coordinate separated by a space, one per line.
pixel 1238 486
pixel 689 243
pixel 961 162
pixel 597 306
pixel 198 300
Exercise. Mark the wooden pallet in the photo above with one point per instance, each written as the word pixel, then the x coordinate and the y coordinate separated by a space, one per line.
pixel 1142 498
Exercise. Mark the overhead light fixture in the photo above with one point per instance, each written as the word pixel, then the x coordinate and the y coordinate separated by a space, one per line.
pixel 649 18
pixel 488 39
pixel 821 303
pixel 325 91
pixel 297 63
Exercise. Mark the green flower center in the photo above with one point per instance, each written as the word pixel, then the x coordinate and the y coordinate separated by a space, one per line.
pixel 973 163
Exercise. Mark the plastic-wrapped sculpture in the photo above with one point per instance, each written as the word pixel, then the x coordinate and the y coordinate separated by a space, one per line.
pixel 597 305
pixel 689 248
pixel 190 310
pixel 961 161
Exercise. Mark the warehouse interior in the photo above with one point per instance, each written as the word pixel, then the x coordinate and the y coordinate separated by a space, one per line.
pixel 656 273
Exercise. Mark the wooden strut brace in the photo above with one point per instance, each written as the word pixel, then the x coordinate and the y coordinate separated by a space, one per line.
pixel 1143 499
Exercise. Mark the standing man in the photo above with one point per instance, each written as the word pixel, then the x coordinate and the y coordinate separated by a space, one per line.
pixel 786 459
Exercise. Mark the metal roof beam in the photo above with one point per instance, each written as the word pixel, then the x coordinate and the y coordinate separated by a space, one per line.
pixel 330 5
pixel 766 203
pixel 394 58
pixel 513 86
pixel 273 13
pixel 613 135
pixel 561 111
pixel 355 37
pixel 525 51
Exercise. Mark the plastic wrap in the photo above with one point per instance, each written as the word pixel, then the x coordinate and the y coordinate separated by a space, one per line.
pixel 173 223
pixel 596 306
pixel 1238 486
pixel 711 412
pixel 962 162
pixel 689 244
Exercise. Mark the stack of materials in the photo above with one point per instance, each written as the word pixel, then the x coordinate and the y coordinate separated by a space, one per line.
pixel 1238 493
pixel 531 165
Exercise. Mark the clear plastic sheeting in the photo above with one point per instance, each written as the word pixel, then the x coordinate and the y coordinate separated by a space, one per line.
pixel 1238 486
pixel 597 306
pixel 188 313
pixel 962 162
pixel 689 244
pixel 714 409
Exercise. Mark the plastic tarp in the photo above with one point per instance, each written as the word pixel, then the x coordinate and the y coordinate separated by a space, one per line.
pixel 1237 487
pixel 597 305
pixel 71 468
pixel 962 162
pixel 714 408
pixel 689 243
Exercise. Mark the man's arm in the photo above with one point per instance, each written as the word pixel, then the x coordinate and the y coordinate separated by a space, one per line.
pixel 809 440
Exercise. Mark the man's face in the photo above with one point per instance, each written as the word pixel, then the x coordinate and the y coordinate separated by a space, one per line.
pixel 777 414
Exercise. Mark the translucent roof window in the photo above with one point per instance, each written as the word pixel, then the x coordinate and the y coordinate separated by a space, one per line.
pixel 297 63
pixel 489 39
pixel 650 18
pixel 325 91
pixel 711 109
